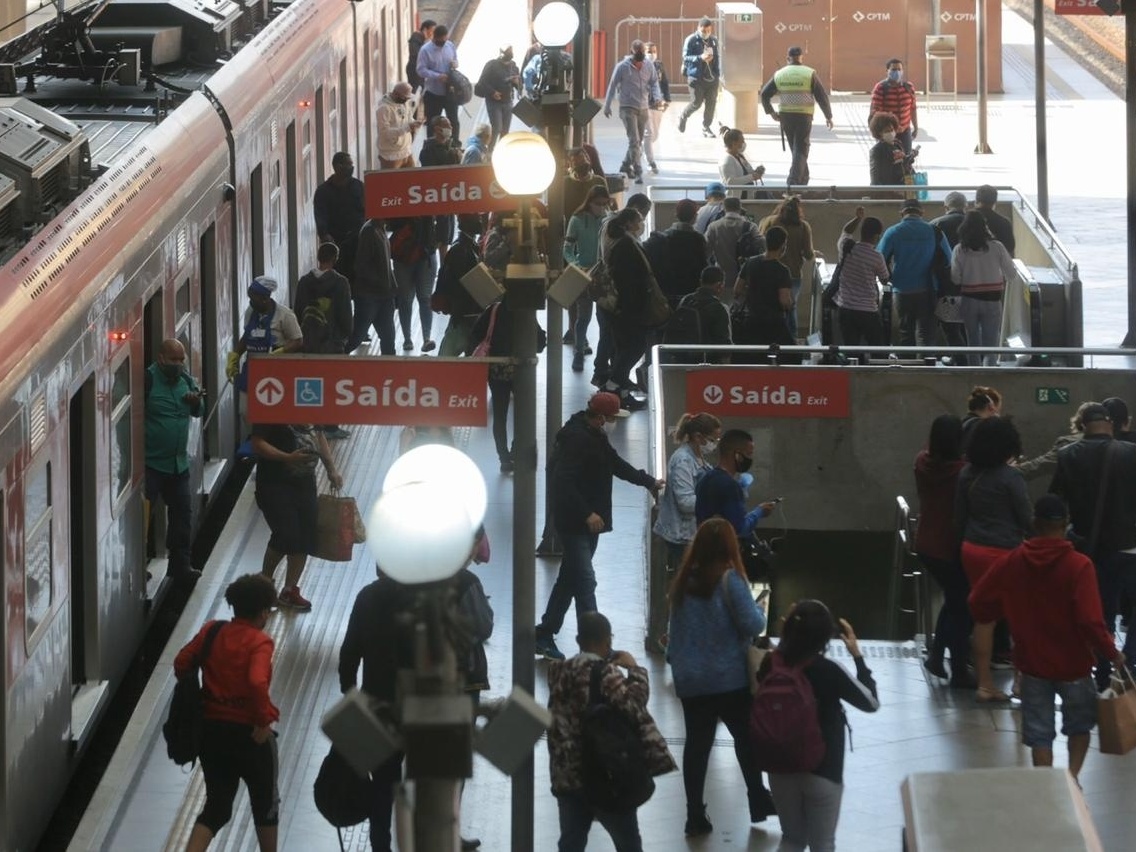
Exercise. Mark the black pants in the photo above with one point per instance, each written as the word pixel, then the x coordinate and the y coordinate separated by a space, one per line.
pixel 701 715
pixel 953 626
pixel 436 105
pixel 228 756
pixel 605 347
pixel 916 318
pixel 500 395
pixel 955 335
pixel 798 129
pixel 630 344
pixel 383 782
pixel 173 489
pixel 702 92
pixel 861 328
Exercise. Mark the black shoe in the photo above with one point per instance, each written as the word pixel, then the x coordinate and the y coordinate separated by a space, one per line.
pixel 697 822
pixel 631 403
pixel 682 129
pixel 936 668
pixel 185 575
pixel 569 338
pixel 761 806
pixel 470 843
pixel 578 362
pixel 507 466
pixel 599 379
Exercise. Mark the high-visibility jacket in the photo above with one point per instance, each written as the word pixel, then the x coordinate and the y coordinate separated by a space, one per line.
pixel 795 87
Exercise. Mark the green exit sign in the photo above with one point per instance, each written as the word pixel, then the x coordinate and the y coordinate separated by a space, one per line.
pixel 745 18
pixel 1052 396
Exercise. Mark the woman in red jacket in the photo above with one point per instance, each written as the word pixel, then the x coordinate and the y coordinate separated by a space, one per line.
pixel 237 740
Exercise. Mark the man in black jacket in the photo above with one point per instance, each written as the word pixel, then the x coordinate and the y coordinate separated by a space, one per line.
pixel 583 464
pixel 414 44
pixel 985 197
pixel 372 288
pixel 1096 468
pixel 450 296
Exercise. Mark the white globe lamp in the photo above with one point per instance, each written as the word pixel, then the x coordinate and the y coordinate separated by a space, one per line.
pixel 420 533
pixel 523 163
pixel 446 468
pixel 555 25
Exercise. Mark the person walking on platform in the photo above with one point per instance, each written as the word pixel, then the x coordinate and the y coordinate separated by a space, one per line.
pixel 799 92
pixel 981 267
pixel 713 618
pixel 450 296
pixel 697 436
pixel 499 83
pixel 172 399
pixel 719 493
pixel 764 288
pixel 658 108
pixel 237 740
pixel 858 299
pixel 583 463
pixel 724 236
pixel 702 68
pixel 635 80
pixel 895 95
pixel 582 247
pixel 286 494
pixel 436 59
pixel 339 211
pixel 711 208
pixel 1048 593
pixel 985 197
pixel 415 265
pixel 574 686
pixel 441 149
pixel 419 37
pixel 798 257
pixel 397 127
pixel 323 306
pixel 909 248
pixel 373 288
pixel 476 151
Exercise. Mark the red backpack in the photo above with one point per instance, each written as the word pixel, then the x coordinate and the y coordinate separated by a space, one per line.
pixel 784 728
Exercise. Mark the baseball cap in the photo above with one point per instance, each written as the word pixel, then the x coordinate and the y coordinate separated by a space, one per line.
pixel 1095 413
pixel 1117 410
pixel 954 200
pixel 911 206
pixel 795 51
pixel 607 404
pixel 1050 507
pixel 715 188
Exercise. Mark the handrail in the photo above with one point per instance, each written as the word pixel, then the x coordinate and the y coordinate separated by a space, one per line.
pixel 657 436
pixel 917 351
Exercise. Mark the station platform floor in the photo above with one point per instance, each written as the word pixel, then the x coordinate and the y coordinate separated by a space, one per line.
pixel 145 803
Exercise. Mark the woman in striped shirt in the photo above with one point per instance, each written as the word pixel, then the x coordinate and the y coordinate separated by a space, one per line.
pixel 981 266
pixel 858 297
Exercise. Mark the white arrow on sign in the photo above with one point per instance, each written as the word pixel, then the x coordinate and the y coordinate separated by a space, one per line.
pixel 269 391
pixel 713 394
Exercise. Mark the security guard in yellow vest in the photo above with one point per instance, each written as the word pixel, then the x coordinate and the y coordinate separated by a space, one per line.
pixel 799 92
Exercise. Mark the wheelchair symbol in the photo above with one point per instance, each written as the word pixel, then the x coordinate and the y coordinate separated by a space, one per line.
pixel 309 392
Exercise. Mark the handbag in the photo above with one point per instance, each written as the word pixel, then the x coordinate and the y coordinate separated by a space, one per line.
pixel 601 289
pixel 754 654
pixel 833 286
pixel 481 350
pixel 949 309
pixel 339 527
pixel 658 309
pixel 1116 714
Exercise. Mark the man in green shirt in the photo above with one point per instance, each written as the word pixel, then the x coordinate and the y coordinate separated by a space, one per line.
pixel 172 397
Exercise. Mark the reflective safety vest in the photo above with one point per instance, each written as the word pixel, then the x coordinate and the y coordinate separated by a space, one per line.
pixel 795 87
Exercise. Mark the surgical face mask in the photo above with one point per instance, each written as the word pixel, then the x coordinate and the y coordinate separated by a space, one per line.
pixel 889 137
pixel 709 446
pixel 895 75
pixel 743 463
pixel 609 426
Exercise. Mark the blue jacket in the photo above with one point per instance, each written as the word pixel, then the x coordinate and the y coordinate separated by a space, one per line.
pixel 719 494
pixel 693 66
pixel 708 639
pixel 908 246
pixel 636 86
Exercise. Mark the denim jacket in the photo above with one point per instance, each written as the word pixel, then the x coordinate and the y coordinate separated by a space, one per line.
pixel 675 521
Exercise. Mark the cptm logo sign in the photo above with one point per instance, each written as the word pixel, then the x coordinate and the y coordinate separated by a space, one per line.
pixel 770 393
pixel 783 28
pixel 871 17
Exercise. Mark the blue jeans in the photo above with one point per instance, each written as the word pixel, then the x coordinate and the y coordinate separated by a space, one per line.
pixel 377 312
pixel 1078 709
pixel 500 117
pixel 983 321
pixel 575 580
pixel 416 281
pixel 577 816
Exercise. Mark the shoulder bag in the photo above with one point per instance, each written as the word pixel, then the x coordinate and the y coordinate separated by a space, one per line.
pixel 754 654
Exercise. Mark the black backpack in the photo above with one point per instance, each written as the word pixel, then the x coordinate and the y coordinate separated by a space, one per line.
pixel 751 243
pixel 685 324
pixel 184 718
pixel 615 772
pixel 459 90
pixel 343 796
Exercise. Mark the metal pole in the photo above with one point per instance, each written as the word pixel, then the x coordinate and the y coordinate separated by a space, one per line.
pixel 983 147
pixel 524 531
pixel 1039 108
pixel 581 65
pixel 1130 129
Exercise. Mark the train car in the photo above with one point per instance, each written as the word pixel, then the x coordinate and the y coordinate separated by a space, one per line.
pixel 161 244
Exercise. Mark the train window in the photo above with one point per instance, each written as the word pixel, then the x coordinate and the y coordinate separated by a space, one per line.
pixel 333 116
pixel 122 445
pixel 320 161
pixel 344 142
pixel 37 549
pixel 308 175
pixel 183 299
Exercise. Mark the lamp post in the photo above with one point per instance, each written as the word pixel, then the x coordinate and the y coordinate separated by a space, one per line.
pixel 524 166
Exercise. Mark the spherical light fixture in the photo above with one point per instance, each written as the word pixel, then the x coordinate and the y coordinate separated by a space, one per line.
pixel 445 467
pixel 420 533
pixel 556 24
pixel 523 163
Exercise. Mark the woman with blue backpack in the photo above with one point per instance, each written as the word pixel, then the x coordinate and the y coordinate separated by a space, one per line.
pixel 797 724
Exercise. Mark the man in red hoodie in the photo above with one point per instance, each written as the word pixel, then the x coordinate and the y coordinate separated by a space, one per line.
pixel 1047 591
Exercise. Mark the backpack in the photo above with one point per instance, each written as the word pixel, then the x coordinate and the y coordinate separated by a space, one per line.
pixel 685 324
pixel 497 251
pixel 477 615
pixel 601 288
pixel 784 728
pixel 459 90
pixel 182 730
pixel 615 773
pixel 343 796
pixel 474 607
pixel 751 243
pixel 315 325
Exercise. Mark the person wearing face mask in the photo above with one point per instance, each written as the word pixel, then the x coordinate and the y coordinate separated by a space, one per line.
pixel 895 95
pixel 172 398
pixel 697 436
pixel 397 127
pixel 499 82
pixel 658 107
pixel 441 149
pixel 583 463
pixel 582 247
pixel 720 494
pixel 700 65
pixel 887 163
pixel 339 211
pixel 436 58
pixel 734 168
pixel 579 179
pixel 637 83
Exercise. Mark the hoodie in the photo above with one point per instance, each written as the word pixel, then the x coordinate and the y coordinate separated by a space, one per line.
pixel 476 153
pixel 1048 593
pixel 936 481
pixel 396 136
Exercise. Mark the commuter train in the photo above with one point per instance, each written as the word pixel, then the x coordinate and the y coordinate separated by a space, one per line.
pixel 161 244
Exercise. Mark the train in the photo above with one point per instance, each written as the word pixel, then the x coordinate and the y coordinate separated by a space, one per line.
pixel 158 241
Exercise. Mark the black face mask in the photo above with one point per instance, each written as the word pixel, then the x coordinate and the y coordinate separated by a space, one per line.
pixel 742 463
pixel 400 100
pixel 638 57
pixel 170 371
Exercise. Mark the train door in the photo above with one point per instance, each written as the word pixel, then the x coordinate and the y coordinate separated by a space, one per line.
pixel 256 219
pixel 367 113
pixel 344 116
pixel 153 333
pixel 321 145
pixel 84 542
pixel 207 276
pixel 293 175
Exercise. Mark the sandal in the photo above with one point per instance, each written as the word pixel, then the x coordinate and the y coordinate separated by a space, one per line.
pixel 988 695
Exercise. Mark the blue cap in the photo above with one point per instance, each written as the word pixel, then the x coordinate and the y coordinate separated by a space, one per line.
pixel 715 188
pixel 263 285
